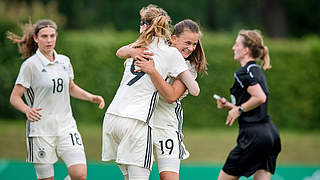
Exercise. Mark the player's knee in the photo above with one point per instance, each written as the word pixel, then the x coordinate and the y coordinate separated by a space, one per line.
pixel 79 176
pixel 167 175
pixel 78 172
pixel 82 176
pixel 44 170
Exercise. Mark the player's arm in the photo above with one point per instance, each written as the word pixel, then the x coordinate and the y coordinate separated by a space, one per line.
pixel 79 93
pixel 191 84
pixel 222 103
pixel 19 104
pixel 136 53
pixel 170 92
pixel 257 98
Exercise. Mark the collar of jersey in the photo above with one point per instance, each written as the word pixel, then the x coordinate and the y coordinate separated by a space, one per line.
pixel 45 61
pixel 155 41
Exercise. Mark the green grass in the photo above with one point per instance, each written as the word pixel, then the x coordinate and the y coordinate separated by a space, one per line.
pixel 204 145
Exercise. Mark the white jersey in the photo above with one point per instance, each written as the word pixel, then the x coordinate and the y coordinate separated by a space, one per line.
pixel 170 116
pixel 47 85
pixel 137 96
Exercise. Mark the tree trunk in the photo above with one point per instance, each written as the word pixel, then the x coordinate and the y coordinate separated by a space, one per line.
pixel 273 18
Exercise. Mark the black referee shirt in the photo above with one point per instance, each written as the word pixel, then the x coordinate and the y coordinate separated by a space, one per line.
pixel 246 76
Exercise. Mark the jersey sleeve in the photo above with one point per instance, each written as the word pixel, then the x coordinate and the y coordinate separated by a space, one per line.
pixel 25 75
pixel 253 74
pixel 192 69
pixel 177 64
pixel 70 70
pixel 246 79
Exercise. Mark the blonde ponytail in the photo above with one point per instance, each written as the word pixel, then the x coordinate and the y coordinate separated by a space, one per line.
pixel 265 58
pixel 159 27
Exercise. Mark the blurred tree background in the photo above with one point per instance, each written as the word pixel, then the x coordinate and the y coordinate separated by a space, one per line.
pixel 278 18
pixel 92 30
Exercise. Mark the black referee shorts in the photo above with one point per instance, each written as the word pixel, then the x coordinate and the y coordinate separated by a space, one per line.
pixel 258 146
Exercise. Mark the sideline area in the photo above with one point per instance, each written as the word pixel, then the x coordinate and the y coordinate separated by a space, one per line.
pixel 16 170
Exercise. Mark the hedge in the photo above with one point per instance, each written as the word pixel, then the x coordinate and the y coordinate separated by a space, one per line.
pixel 293 80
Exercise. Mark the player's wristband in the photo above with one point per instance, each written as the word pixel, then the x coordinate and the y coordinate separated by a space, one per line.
pixel 240 109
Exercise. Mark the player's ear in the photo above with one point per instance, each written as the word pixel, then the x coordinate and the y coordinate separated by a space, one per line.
pixel 173 38
pixel 247 50
pixel 35 38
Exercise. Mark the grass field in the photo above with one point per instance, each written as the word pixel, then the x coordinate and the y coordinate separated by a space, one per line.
pixel 299 159
pixel 205 145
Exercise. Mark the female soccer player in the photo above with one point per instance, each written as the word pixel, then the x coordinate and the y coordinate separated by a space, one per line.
pixel 46 80
pixel 258 143
pixel 168 115
pixel 127 135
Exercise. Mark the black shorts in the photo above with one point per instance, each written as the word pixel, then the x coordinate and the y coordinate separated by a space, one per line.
pixel 258 146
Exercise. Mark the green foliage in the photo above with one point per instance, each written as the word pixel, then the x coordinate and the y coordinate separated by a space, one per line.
pixel 293 80
pixel 22 11
pixel 10 62
pixel 123 14
pixel 96 67
pixel 276 18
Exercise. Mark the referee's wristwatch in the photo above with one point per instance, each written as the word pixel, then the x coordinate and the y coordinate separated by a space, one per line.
pixel 240 109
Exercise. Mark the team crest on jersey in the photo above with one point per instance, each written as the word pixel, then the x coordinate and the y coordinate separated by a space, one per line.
pixel 41 153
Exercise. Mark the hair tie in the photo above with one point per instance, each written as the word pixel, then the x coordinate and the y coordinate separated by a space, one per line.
pixel 162 13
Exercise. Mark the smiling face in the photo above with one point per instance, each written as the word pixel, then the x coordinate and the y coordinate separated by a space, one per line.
pixel 186 42
pixel 46 39
pixel 239 50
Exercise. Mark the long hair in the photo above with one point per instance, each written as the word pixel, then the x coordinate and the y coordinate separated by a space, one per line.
pixel 159 25
pixel 253 40
pixel 197 57
pixel 26 44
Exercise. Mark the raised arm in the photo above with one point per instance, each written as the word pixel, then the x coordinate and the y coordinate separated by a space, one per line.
pixel 170 92
pixel 138 53
pixel 79 93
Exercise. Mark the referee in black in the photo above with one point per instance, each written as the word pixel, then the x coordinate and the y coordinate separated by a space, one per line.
pixel 258 142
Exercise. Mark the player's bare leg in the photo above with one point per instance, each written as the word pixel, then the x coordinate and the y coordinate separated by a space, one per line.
pixel 262 175
pixel 78 172
pixel 225 176
pixel 49 178
pixel 168 175
pixel 126 177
